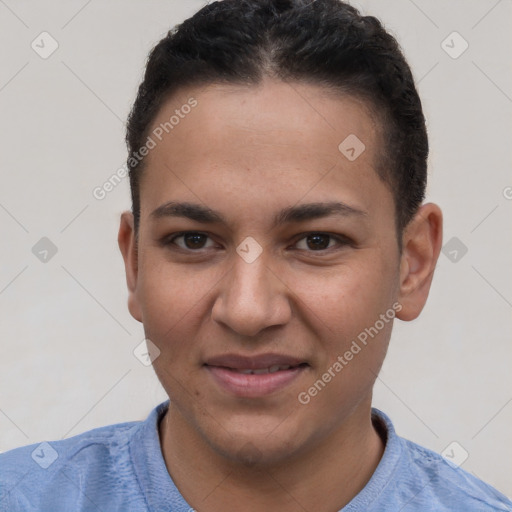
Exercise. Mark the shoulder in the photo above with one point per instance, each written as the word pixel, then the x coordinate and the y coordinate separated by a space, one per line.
pixel 448 484
pixel 414 478
pixel 40 469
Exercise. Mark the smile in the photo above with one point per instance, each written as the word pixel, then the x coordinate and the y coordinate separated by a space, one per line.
pixel 256 376
pixel 260 371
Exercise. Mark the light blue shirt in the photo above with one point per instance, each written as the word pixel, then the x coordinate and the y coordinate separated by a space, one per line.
pixel 121 468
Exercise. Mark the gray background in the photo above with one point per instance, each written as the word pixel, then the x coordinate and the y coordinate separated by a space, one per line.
pixel 67 339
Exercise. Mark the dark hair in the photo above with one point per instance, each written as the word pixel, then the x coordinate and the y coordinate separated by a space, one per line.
pixel 324 42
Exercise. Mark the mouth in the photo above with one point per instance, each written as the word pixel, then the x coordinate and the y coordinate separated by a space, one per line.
pixel 262 371
pixel 257 376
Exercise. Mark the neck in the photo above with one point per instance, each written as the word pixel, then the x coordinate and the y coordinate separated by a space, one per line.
pixel 324 477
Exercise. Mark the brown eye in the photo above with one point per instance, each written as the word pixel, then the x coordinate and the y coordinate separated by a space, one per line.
pixel 191 240
pixel 194 240
pixel 317 242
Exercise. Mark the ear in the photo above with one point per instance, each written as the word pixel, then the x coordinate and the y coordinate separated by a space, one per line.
pixel 128 246
pixel 421 245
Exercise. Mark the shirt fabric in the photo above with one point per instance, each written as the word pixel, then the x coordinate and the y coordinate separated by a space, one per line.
pixel 120 468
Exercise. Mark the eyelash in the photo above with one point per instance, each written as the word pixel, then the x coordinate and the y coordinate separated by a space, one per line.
pixel 342 241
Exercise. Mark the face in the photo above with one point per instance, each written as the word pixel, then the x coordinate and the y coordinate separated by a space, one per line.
pixel 264 255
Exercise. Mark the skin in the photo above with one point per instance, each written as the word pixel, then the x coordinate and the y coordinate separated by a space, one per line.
pixel 247 153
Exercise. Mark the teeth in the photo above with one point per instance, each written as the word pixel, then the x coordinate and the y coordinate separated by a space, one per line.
pixel 260 371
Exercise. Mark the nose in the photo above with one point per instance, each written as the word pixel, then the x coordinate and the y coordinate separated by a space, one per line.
pixel 251 298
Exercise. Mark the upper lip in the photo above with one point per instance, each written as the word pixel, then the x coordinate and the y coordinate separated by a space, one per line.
pixel 239 362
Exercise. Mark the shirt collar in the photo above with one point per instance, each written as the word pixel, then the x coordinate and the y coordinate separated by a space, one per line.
pixel 161 493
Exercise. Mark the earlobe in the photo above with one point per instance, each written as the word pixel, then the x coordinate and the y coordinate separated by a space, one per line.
pixel 422 240
pixel 128 247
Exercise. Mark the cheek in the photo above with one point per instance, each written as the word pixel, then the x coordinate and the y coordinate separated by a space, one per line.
pixel 345 314
pixel 173 303
pixel 349 297
pixel 167 285
pixel 172 299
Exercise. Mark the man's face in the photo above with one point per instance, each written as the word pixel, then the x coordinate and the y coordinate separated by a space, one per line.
pixel 276 284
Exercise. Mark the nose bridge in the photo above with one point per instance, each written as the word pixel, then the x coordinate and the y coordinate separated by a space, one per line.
pixel 250 280
pixel 251 297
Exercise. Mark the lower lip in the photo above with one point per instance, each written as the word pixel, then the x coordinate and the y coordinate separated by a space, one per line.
pixel 253 385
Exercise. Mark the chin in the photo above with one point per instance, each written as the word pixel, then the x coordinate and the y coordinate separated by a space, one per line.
pixel 255 454
pixel 253 447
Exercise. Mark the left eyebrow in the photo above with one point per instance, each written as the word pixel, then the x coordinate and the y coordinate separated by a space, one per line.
pixel 310 211
pixel 291 214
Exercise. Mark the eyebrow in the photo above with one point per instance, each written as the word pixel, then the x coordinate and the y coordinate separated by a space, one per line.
pixel 298 213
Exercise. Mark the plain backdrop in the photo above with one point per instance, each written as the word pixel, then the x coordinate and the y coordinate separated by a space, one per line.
pixel 67 338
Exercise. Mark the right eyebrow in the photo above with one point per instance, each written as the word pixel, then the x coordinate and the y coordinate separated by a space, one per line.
pixel 191 211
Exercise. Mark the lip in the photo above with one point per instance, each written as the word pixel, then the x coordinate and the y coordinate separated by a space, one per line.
pixel 240 362
pixel 224 370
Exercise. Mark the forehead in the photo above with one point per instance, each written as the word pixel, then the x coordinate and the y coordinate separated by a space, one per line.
pixel 272 111
pixel 273 142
